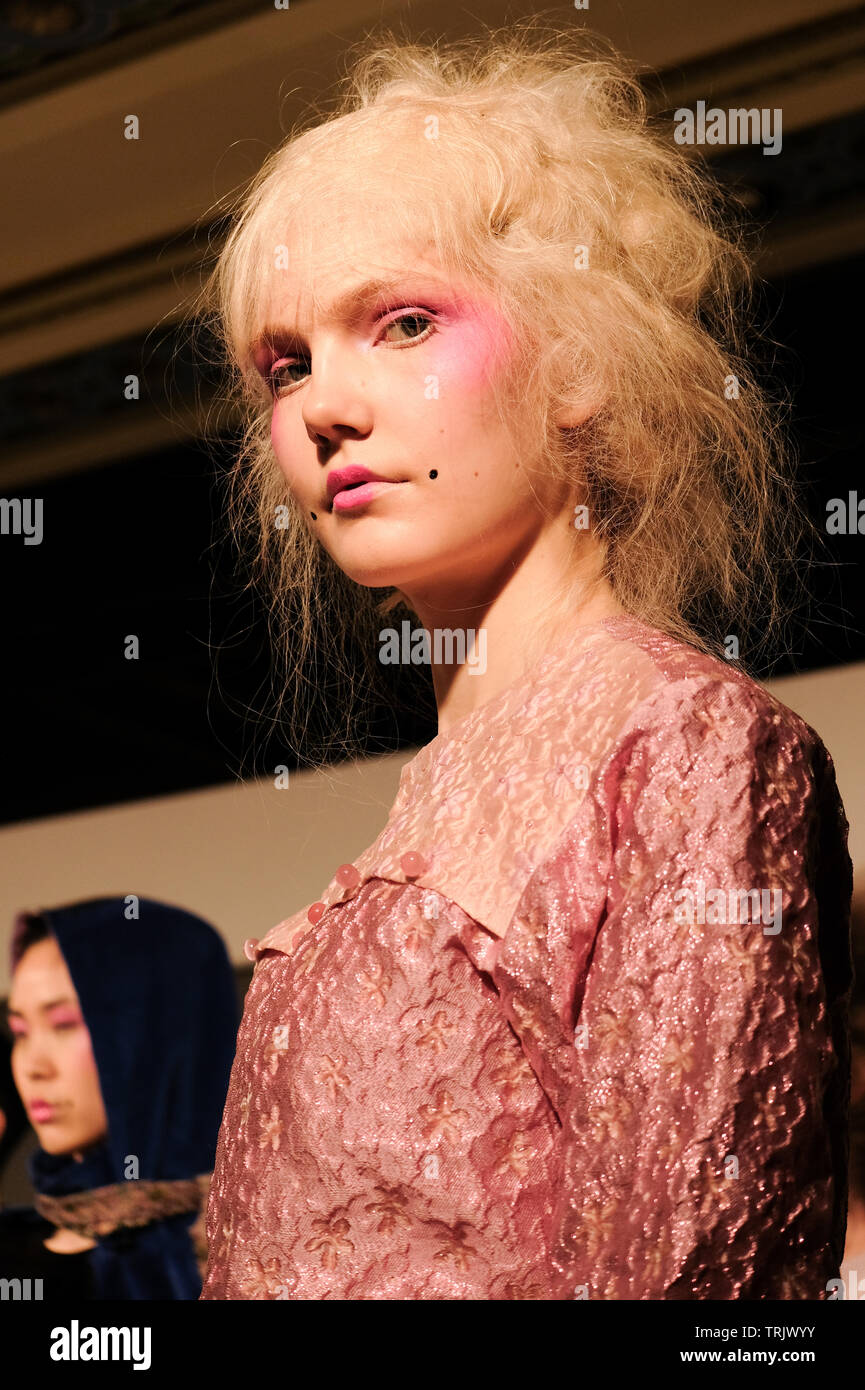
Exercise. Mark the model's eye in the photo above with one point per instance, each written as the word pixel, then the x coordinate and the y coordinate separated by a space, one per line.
pixel 280 373
pixel 288 372
pixel 420 321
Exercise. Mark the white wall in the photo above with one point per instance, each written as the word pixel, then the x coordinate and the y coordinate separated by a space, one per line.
pixel 246 856
pixel 242 856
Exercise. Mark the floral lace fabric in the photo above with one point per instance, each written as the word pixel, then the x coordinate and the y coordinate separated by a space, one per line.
pixel 596 1047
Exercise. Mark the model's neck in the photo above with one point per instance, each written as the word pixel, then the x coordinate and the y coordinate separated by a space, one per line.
pixel 63 1242
pixel 501 649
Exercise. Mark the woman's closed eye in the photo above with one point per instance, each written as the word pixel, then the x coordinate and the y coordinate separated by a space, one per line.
pixel 290 364
pixel 18 1032
pixel 60 1021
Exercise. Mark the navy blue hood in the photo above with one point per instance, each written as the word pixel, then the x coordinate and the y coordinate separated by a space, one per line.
pixel 159 998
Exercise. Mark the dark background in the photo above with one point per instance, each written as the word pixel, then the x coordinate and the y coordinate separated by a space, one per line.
pixel 134 541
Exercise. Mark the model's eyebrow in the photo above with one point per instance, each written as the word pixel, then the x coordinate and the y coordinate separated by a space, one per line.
pixel 346 306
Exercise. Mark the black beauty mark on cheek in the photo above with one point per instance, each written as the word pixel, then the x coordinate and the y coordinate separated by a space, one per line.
pixel 313 515
pixel 434 473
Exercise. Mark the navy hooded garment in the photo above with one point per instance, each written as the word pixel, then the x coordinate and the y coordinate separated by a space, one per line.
pixel 159 999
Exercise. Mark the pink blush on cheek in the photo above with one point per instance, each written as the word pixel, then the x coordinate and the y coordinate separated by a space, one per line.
pixel 279 437
pixel 80 1053
pixel 277 440
pixel 274 430
pixel 280 426
pixel 67 1016
pixel 470 356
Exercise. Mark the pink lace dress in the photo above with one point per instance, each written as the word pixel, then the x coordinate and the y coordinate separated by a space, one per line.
pixel 578 1029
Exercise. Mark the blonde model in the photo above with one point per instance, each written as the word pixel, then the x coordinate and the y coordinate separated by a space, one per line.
pixel 574 1025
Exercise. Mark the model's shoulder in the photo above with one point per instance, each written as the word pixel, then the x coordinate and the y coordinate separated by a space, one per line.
pixel 688 692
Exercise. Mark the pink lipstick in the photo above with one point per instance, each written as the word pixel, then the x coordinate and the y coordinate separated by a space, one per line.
pixel 351 498
pixel 353 486
pixel 41 1113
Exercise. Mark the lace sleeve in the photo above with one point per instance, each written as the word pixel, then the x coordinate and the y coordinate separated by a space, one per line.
pixel 703 1125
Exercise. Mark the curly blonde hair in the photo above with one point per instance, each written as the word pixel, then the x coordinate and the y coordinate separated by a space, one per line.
pixel 624 274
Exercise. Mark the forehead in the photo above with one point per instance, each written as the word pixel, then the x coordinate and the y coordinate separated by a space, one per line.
pixel 361 213
pixel 42 972
pixel 324 278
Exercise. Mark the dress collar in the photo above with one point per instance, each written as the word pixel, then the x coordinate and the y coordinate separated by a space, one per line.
pixel 482 804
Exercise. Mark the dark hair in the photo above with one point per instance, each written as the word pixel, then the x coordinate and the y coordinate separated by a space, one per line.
pixel 857 1047
pixel 10 1104
pixel 29 928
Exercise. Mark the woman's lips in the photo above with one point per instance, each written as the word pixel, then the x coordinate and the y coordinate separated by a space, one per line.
pixel 41 1113
pixel 352 497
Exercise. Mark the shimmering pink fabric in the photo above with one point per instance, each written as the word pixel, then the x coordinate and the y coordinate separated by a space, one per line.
pixel 530 1073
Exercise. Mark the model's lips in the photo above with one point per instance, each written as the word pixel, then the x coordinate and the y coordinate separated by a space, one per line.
pixel 358 496
pixel 41 1112
pixel 352 473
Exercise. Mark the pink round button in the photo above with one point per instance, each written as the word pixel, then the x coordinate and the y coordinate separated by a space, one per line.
pixel 316 912
pixel 249 946
pixel 347 875
pixel 412 864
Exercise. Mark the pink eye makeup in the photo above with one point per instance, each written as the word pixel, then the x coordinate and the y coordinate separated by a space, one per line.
pixel 65 1018
pixel 59 1017
pixel 283 364
pixel 418 321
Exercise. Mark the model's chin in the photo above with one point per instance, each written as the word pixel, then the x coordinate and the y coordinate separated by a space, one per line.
pixel 366 579
pixel 54 1139
pixel 382 571
pixel 59 1139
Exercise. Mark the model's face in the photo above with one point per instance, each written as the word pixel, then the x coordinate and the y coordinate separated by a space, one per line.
pixel 52 1057
pixel 401 385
